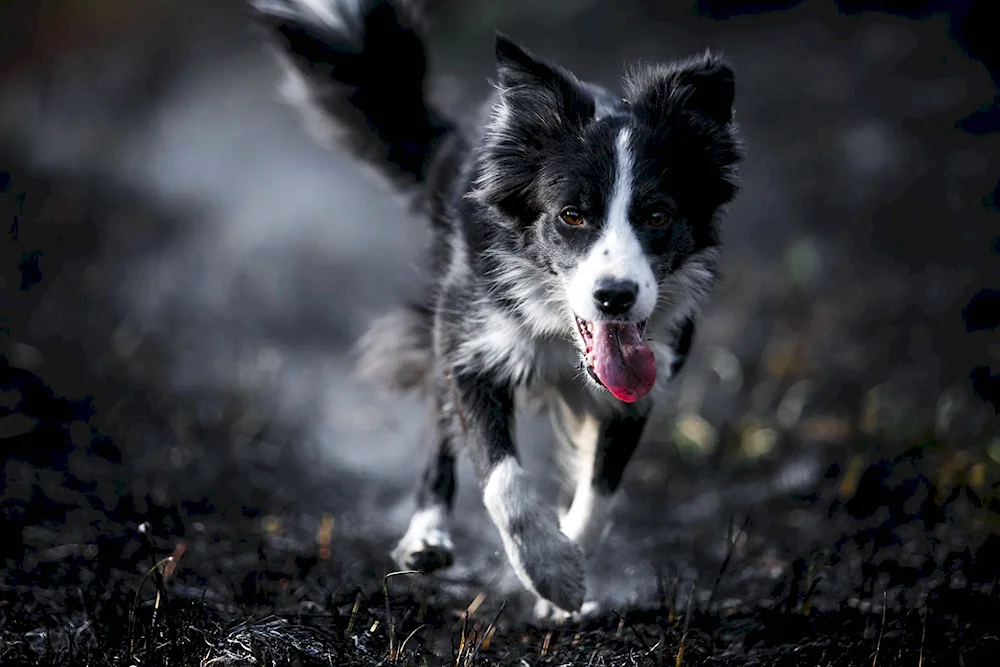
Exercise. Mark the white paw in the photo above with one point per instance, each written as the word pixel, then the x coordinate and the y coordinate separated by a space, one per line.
pixel 548 612
pixel 426 546
pixel 544 559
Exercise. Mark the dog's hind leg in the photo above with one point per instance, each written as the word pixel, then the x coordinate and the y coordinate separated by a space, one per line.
pixel 426 546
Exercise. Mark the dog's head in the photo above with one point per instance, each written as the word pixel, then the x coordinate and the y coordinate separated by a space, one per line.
pixel 611 199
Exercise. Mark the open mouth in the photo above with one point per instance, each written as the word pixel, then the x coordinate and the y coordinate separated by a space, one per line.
pixel 617 357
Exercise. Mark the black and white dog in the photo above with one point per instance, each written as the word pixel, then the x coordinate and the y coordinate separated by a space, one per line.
pixel 575 234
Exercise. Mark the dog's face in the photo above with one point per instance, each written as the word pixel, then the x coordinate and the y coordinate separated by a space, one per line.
pixel 613 198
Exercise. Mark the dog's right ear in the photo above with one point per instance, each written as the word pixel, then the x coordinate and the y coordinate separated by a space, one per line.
pixel 528 82
pixel 538 103
pixel 515 66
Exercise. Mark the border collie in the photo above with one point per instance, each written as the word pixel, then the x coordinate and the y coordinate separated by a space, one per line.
pixel 575 235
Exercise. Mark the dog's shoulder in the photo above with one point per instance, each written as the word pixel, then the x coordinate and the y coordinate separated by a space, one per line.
pixel 486 338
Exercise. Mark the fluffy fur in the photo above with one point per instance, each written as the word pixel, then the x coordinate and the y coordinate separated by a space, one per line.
pixel 575 235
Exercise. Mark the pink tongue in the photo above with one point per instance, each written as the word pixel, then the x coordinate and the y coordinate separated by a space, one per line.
pixel 622 360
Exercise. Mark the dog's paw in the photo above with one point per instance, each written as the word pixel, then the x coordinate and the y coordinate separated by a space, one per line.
pixel 544 559
pixel 551 565
pixel 426 546
pixel 547 612
pixel 425 555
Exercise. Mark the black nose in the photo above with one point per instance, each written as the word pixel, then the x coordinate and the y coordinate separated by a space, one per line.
pixel 615 297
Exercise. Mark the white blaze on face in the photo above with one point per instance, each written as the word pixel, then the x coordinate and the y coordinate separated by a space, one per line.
pixel 618 253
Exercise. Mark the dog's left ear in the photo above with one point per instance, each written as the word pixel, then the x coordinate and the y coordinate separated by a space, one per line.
pixel 703 85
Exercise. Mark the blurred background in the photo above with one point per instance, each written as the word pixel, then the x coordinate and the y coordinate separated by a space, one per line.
pixel 184 272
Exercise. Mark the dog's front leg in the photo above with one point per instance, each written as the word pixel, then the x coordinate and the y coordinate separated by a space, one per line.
pixel 586 518
pixel 547 562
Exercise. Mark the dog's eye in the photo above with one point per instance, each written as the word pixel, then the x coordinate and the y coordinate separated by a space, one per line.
pixel 658 219
pixel 571 216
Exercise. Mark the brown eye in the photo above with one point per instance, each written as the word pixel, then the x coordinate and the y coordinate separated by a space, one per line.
pixel 571 216
pixel 657 219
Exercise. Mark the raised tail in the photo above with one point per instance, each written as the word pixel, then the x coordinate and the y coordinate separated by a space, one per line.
pixel 357 70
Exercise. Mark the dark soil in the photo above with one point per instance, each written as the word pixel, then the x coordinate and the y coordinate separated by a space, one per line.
pixel 915 573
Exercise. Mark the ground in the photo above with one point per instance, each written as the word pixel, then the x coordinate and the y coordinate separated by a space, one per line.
pixel 185 275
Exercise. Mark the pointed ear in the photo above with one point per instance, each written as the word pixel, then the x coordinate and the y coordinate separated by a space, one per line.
pixel 538 104
pixel 545 90
pixel 515 66
pixel 712 87
pixel 703 85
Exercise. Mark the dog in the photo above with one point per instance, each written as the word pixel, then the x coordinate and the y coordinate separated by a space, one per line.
pixel 575 235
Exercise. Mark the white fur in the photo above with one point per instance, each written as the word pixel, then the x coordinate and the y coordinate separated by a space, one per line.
pixel 332 13
pixel 323 9
pixel 497 129
pixel 682 292
pixel 546 611
pixel 665 358
pixel 497 342
pixel 546 561
pixel 537 293
pixel 498 345
pixel 514 351
pixel 428 532
pixel 586 518
pixel 617 254
pixel 576 437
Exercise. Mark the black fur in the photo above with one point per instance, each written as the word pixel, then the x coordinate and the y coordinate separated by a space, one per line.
pixel 368 73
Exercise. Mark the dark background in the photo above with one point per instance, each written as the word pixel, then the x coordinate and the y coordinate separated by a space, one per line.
pixel 184 272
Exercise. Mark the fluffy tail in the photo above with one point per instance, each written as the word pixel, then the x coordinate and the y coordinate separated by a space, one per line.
pixel 357 69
